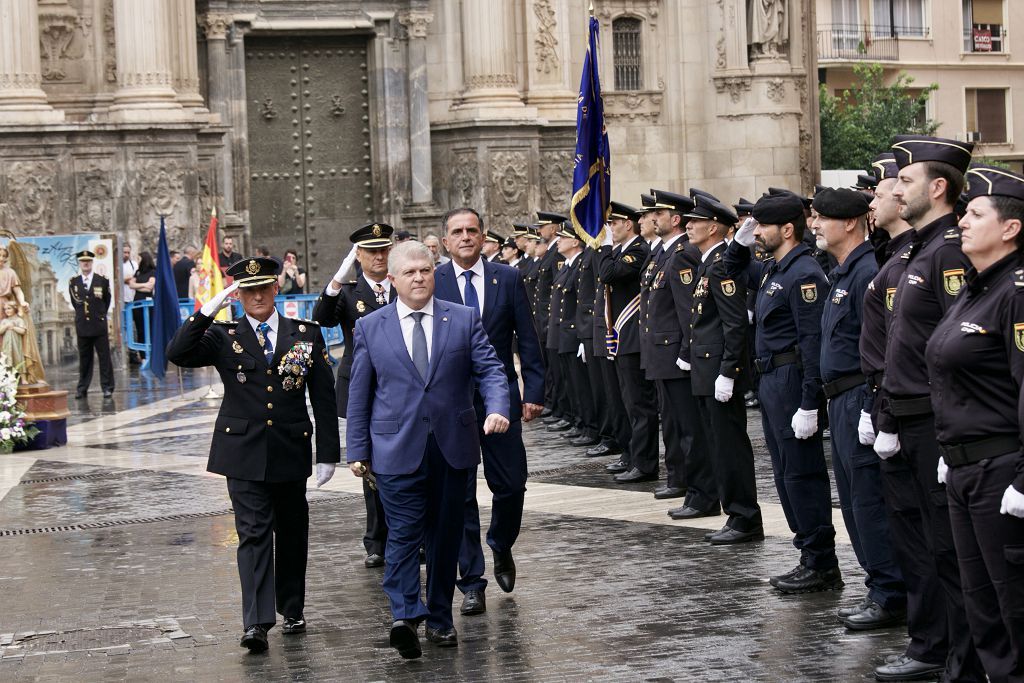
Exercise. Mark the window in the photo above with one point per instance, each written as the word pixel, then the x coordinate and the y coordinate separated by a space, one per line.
pixel 986 115
pixel 983 25
pixel 846 29
pixel 899 17
pixel 626 54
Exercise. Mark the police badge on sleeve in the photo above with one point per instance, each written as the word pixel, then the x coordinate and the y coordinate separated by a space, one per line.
pixel 295 365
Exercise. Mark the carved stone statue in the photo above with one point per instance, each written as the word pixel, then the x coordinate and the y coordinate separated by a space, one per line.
pixel 767 28
pixel 11 292
pixel 12 336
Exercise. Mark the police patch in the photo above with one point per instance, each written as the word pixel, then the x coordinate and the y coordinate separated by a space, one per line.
pixel 953 281
pixel 1018 335
pixel 809 292
pixel 686 276
pixel 361 307
pixel 890 297
pixel 628 258
pixel 728 287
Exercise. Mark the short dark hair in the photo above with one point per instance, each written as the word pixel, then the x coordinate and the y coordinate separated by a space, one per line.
pixel 263 250
pixel 954 178
pixel 292 252
pixel 455 212
pixel 1007 209
pixel 799 227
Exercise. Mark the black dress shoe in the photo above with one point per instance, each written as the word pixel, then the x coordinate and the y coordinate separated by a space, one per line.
pixel 809 580
pixel 666 492
pixel 559 426
pixel 875 616
pixel 687 512
pixel 255 638
pixel 292 626
pixel 708 535
pixel 635 475
pixel 585 441
pixel 574 433
pixel 850 611
pixel 730 536
pixel 80 394
pixel 600 450
pixel 473 602
pixel 373 560
pixel 443 637
pixel 774 581
pixel 404 638
pixel 505 570
pixel 616 467
pixel 903 668
pixel 545 413
pixel 550 419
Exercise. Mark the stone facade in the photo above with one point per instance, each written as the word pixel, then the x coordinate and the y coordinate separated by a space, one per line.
pixel 127 110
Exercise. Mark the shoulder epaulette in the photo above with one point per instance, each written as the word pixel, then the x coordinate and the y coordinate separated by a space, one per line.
pixel 951 233
pixel 718 257
pixel 225 322
pixel 680 246
pixel 1018 277
pixel 304 320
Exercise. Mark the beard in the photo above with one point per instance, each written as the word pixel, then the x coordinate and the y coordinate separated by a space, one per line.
pixel 914 210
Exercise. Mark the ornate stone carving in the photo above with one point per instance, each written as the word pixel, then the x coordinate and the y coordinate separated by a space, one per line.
pixel 491 81
pixel 336 108
pixel 767 28
pixel 648 10
pixel 109 43
pixel 59 23
pixel 545 41
pixel 463 165
pixel 216 26
pixel 94 200
pixel 734 85
pixel 640 104
pixel 776 90
pixel 721 61
pixel 509 184
pixel 162 185
pixel 556 178
pixel 31 193
pixel 266 109
pixel 416 22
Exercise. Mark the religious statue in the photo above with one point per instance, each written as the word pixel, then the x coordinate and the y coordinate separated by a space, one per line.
pixel 767 28
pixel 12 336
pixel 11 292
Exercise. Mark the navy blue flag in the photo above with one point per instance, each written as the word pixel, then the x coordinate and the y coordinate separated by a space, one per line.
pixel 591 176
pixel 166 318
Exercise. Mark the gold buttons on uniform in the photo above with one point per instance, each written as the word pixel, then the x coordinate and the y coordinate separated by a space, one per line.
pixel 270 388
pixel 305 434
pixel 270 423
pixel 270 406
pixel 227 429
pixel 191 318
pixel 707 355
pixel 268 372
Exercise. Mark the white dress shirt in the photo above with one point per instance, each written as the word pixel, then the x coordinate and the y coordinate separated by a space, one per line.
pixel 87 282
pixel 408 324
pixel 477 280
pixel 385 283
pixel 667 244
pixel 274 321
pixel 704 256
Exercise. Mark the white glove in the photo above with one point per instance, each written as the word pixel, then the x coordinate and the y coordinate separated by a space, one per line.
pixel 220 301
pixel 346 265
pixel 723 388
pixel 750 317
pixel 581 354
pixel 1013 502
pixel 682 365
pixel 804 423
pixel 865 429
pixel 745 235
pixel 941 470
pixel 324 472
pixel 887 445
pixel 607 241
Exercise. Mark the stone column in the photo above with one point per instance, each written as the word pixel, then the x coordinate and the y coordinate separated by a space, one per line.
pixel 22 100
pixel 185 64
pixel 144 65
pixel 415 23
pixel 489 55
pixel 218 90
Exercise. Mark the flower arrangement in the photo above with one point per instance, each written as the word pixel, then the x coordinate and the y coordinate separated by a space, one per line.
pixel 295 365
pixel 14 429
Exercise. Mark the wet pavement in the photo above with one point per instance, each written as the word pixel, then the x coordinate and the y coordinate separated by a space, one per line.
pixel 117 562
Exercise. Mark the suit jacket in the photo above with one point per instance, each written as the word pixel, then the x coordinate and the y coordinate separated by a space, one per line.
pixel 620 273
pixel 355 300
pixel 561 336
pixel 667 313
pixel 586 286
pixel 718 340
pixel 547 267
pixel 263 431
pixel 392 410
pixel 507 320
pixel 90 305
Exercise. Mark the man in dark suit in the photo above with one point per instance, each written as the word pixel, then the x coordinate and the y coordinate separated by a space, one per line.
pixel 262 438
pixel 342 303
pixel 498 294
pixel 417 367
pixel 90 297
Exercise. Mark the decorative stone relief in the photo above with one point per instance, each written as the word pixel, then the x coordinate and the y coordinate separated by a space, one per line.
pixel 556 178
pixel 768 29
pixel 215 26
pixel 206 180
pixel 509 183
pixel 94 199
pixel 463 165
pixel 734 85
pixel 639 104
pixel 646 9
pixel 162 185
pixel 545 41
pixel 59 25
pixel 491 81
pixel 416 22
pixel 776 90
pixel 31 193
pixel 109 43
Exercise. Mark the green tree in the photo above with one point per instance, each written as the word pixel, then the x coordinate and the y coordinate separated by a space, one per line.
pixel 857 125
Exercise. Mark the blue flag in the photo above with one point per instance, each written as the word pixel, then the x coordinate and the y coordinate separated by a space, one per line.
pixel 591 176
pixel 166 318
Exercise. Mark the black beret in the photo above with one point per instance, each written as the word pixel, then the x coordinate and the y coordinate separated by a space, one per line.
pixel 885 167
pixel 819 188
pixel 672 201
pixel 373 236
pixel 990 181
pixel 254 272
pixel 708 208
pixel 544 218
pixel 840 203
pixel 778 209
pixel 912 149
pixel 620 210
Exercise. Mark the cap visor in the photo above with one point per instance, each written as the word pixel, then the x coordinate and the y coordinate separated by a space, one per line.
pixel 256 281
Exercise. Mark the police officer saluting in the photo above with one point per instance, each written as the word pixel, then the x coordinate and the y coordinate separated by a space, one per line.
pixel 976 367
pixel 90 297
pixel 262 440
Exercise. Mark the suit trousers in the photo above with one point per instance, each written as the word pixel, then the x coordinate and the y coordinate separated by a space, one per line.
pixel 504 461
pixel 612 424
pixel 858 477
pixel 801 474
pixel 554 381
pixel 423 508
pixel 272 522
pixel 731 460
pixel 682 431
pixel 990 549
pixel 640 399
pixel 921 449
pixel 581 397
pixel 86 346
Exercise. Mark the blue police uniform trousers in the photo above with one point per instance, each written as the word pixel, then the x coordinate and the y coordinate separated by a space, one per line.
pixel 859 484
pixel 801 474
pixel 504 460
pixel 424 508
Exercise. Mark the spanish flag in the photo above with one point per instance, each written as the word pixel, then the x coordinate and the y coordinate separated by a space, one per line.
pixel 211 282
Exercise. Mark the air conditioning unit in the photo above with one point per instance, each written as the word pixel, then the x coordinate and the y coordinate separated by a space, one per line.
pixel 973 136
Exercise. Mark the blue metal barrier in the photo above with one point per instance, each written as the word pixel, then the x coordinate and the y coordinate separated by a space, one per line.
pixel 288 305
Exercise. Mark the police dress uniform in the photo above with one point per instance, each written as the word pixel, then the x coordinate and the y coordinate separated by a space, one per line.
pixel 787 346
pixel 549 264
pixel 933 277
pixel 91 304
pixel 263 439
pixel 856 466
pixel 574 388
pixel 975 362
pixel 354 300
pixel 587 314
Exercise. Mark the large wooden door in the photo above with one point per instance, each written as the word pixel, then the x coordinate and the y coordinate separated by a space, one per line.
pixel 309 147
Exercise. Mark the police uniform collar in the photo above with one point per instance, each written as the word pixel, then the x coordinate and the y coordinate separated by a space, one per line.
pixel 898 243
pixel 977 281
pixel 477 268
pixel 552 243
pixel 572 259
pixel 941 223
pixel 859 252
pixel 796 251
pixel 707 254
pixel 625 245
pixel 273 321
pixel 385 283
pixel 667 244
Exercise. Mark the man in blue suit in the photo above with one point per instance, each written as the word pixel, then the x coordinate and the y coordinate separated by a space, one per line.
pixel 497 292
pixel 416 367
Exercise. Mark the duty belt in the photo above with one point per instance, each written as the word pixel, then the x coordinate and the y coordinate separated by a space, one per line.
pixel 833 389
pixel 909 407
pixel 874 381
pixel 958 454
pixel 775 361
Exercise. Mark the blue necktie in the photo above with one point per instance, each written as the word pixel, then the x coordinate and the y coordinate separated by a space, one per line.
pixel 469 293
pixel 419 345
pixel 264 335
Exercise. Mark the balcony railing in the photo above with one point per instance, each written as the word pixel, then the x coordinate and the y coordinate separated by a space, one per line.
pixel 841 42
